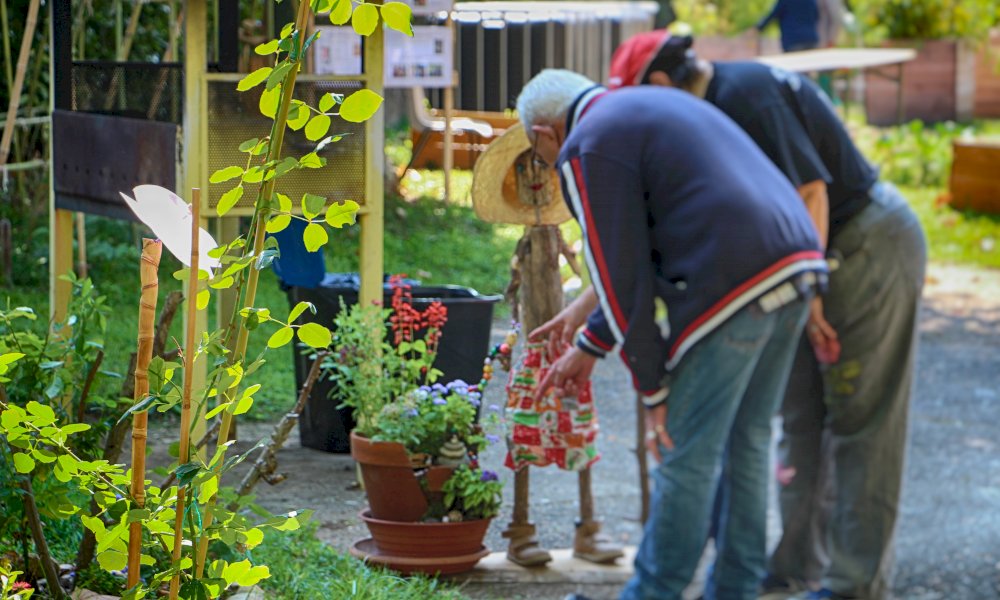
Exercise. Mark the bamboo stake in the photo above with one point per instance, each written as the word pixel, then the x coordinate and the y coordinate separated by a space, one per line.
pixel 81 246
pixel 168 56
pixel 148 264
pixel 133 24
pixel 184 453
pixel 7 57
pixel 277 138
pixel 15 91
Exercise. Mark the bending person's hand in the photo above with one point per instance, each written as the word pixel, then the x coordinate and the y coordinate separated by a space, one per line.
pixel 559 330
pixel 568 375
pixel 656 431
pixel 821 335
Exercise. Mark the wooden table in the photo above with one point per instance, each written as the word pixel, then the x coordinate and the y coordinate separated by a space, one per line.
pixel 848 59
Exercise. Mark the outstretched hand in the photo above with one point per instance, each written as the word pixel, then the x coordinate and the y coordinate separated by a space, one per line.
pixel 568 375
pixel 560 329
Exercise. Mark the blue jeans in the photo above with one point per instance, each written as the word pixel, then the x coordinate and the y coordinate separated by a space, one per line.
pixel 723 395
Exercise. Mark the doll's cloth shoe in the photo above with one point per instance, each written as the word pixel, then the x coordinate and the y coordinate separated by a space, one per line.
pixel 591 545
pixel 523 548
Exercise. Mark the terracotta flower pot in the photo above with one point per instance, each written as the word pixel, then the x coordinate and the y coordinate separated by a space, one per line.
pixel 393 491
pixel 433 540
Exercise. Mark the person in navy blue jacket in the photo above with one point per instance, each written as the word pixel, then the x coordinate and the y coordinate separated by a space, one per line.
pixel 845 408
pixel 798 21
pixel 703 260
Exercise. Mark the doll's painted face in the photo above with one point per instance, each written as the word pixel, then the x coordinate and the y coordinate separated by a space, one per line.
pixel 534 187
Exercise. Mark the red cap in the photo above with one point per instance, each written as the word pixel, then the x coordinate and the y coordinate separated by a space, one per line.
pixel 632 58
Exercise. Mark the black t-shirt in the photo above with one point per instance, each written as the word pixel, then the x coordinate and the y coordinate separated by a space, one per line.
pixel 793 122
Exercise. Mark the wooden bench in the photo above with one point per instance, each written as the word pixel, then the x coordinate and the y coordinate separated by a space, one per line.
pixel 472 133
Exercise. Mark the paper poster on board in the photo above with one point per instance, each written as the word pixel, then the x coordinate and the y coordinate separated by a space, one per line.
pixel 338 51
pixel 425 60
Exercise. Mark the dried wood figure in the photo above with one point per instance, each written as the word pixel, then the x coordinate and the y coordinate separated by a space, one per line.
pixel 509 186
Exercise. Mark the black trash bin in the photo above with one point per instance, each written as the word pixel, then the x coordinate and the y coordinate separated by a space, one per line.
pixel 465 340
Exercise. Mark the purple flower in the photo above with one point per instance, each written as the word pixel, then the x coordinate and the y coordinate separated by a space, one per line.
pixel 488 476
pixel 492 439
pixel 412 412
pixel 440 401
pixel 494 408
pixel 437 387
pixel 457 384
pixel 425 389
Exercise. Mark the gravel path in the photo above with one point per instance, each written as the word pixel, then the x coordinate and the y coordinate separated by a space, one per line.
pixel 949 534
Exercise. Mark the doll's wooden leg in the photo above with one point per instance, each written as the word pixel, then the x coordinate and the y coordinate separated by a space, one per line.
pixel 588 543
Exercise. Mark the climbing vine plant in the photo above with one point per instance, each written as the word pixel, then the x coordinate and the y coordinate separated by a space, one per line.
pixel 218 531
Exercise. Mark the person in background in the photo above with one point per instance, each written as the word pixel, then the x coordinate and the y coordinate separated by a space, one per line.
pixel 703 261
pixel 798 21
pixel 845 411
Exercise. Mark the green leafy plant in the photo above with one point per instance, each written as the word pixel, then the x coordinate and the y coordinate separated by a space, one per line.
pixel 927 19
pixel 10 587
pixel 476 493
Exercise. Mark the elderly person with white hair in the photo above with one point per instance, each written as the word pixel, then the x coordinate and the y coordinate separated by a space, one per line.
pixel 703 260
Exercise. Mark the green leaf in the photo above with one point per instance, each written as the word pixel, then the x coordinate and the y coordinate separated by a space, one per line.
pixel 365 19
pixel 266 48
pixel 253 538
pixel 43 455
pixel 201 300
pixel 312 205
pixel 280 337
pixel 314 335
pixel 208 488
pixel 286 165
pixel 317 127
pixel 112 560
pixel 360 106
pixel 254 575
pixel 287 30
pixel 315 237
pixel 243 405
pixel 397 15
pixel 253 79
pixel 277 223
pixel 23 463
pixel 326 102
pixel 298 115
pixel 44 415
pixel 229 200
pixel 228 173
pixel 249 145
pixel 341 12
pixel 300 308
pixel 219 408
pixel 312 161
pixel 75 428
pixel 269 100
pixel 342 213
pixel 284 202
pixel 278 75
pixel 254 174
pixel 8 358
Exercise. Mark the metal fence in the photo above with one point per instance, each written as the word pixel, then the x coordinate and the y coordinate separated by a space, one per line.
pixel 501 45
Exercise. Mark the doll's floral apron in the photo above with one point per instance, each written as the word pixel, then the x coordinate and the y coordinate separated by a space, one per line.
pixel 555 430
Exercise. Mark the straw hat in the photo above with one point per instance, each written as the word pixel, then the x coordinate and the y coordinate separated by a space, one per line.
pixel 506 189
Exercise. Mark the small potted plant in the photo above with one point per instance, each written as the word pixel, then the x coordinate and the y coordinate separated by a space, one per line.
pixel 417 441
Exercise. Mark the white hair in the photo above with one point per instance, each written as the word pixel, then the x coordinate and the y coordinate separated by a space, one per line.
pixel 546 99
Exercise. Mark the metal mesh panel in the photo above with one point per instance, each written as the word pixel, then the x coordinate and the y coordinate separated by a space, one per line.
pixel 234 117
pixel 138 90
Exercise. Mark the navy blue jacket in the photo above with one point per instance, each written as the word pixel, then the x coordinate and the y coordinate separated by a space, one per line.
pixel 676 204
pixel 798 21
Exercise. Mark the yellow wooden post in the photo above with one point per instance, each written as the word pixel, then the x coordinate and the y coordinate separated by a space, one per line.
pixel 192 164
pixel 373 215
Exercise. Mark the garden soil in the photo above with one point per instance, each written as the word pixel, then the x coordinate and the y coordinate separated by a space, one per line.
pixel 948 544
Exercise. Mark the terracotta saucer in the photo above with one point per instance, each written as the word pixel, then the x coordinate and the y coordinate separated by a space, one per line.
pixel 365 549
